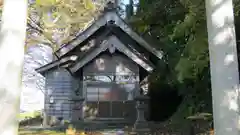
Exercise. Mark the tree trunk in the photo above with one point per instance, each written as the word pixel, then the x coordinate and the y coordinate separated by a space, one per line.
pixel 224 66
pixel 12 41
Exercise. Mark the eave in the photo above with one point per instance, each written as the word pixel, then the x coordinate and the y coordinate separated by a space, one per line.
pixel 55 64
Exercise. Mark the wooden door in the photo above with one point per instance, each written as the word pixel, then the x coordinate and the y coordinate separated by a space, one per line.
pixel 117 110
pixel 104 109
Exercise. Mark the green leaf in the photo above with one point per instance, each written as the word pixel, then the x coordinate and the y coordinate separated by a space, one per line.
pixel 46 2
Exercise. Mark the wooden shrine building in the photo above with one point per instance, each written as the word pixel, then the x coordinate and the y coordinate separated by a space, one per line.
pixel 97 75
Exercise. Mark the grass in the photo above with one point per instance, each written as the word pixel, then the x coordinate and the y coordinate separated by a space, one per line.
pixel 45 132
pixel 29 114
pixel 69 131
pixel 48 132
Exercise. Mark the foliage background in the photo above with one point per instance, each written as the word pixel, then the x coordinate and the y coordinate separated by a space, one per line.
pixel 180 31
pixel 178 27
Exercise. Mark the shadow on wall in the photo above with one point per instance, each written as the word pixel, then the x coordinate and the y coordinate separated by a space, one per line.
pixel 163 104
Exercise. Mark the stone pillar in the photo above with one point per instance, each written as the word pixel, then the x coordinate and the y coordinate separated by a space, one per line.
pixel 46 119
pixel 141 125
pixel 45 115
pixel 224 66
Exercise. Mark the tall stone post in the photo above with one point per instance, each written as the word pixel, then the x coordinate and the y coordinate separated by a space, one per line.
pixel 224 66
pixel 12 34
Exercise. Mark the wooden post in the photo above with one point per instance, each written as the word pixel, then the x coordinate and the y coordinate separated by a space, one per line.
pixel 224 66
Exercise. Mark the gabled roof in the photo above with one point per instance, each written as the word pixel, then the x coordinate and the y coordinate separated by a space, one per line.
pixel 74 63
pixel 116 33
pixel 110 17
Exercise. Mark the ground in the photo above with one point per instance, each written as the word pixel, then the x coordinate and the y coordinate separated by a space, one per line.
pixel 48 132
pixel 26 132
pixel 69 131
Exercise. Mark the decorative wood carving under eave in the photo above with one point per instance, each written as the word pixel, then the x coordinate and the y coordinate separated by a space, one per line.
pixel 111 42
pixel 144 84
pixel 89 47
pixel 56 63
pixel 89 57
pixel 101 22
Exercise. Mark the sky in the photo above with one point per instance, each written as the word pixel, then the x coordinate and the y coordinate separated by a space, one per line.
pixel 126 1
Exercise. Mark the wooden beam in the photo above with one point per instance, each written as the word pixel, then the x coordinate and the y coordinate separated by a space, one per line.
pixel 102 47
pixel 122 48
pixel 56 63
pixel 127 29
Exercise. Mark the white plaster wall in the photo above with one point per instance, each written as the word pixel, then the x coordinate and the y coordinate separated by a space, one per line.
pixel 116 64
